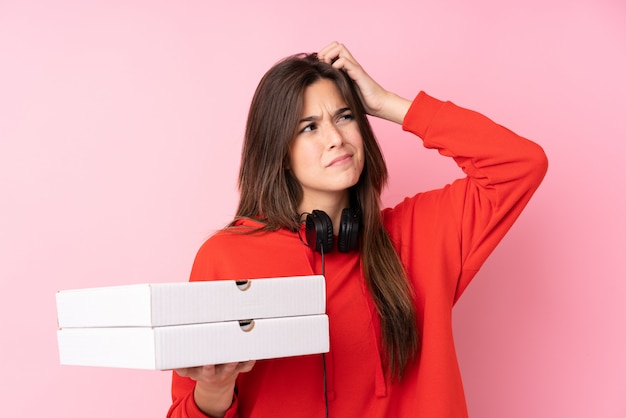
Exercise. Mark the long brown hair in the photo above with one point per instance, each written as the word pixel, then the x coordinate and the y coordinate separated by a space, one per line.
pixel 269 192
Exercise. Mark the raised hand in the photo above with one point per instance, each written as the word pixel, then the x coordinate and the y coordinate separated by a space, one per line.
pixel 376 100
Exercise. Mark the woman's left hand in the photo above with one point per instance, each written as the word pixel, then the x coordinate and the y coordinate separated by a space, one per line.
pixel 376 100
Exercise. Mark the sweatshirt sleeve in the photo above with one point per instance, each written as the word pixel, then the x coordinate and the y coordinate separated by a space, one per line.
pixel 502 169
pixel 183 403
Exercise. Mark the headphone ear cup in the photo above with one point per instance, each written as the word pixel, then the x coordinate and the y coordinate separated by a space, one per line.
pixel 349 230
pixel 319 231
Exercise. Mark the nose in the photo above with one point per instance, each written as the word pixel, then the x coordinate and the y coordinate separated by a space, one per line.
pixel 334 137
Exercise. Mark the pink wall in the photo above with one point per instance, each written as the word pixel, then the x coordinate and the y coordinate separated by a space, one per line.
pixel 120 131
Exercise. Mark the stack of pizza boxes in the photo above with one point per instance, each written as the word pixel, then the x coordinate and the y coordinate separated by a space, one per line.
pixel 174 325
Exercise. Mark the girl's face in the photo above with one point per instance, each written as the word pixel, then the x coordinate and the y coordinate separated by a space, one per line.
pixel 326 155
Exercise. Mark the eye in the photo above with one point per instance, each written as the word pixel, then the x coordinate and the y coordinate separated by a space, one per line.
pixel 309 128
pixel 346 117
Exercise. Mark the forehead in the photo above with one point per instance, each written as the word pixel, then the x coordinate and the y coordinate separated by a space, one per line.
pixel 323 94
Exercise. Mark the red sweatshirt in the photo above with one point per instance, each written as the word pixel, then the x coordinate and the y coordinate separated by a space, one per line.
pixel 443 237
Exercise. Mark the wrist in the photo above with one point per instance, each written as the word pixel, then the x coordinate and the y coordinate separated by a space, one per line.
pixel 213 401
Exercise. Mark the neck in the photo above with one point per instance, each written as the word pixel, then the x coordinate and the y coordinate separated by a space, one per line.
pixel 332 207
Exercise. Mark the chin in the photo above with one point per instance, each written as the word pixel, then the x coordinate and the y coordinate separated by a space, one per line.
pixel 350 183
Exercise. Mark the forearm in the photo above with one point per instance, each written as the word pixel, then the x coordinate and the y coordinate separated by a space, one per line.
pixel 487 152
pixel 394 108
pixel 207 390
pixel 503 171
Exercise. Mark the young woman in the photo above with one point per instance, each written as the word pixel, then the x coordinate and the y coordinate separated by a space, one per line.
pixel 310 153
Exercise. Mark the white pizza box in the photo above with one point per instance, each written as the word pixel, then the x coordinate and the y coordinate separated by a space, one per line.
pixel 172 347
pixel 163 304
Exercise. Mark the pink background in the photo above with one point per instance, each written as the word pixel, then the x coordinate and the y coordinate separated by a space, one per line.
pixel 120 132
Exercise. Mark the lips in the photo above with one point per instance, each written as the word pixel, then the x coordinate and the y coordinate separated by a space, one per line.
pixel 339 160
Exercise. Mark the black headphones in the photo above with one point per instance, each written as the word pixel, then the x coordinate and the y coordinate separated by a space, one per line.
pixel 319 231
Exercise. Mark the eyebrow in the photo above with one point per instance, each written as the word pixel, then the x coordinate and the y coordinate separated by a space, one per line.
pixel 314 118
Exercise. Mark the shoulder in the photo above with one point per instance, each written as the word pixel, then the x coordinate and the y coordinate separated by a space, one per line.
pixel 234 253
pixel 235 239
pixel 431 217
pixel 425 206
